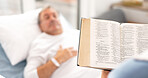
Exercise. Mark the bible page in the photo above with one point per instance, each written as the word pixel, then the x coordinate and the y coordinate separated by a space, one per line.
pixel 134 39
pixel 104 43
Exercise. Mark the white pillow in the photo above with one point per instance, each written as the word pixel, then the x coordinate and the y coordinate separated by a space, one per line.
pixel 17 32
pixel 2 76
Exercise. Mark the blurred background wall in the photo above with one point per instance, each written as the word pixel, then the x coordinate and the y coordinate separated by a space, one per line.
pixel 72 10
pixel 92 8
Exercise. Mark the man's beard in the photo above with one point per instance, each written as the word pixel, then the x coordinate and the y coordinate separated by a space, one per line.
pixel 54 23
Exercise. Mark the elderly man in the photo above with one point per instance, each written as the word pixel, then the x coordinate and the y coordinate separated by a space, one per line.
pixel 47 58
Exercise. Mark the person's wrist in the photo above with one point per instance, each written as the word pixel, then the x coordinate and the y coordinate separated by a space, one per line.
pixel 55 62
pixel 58 60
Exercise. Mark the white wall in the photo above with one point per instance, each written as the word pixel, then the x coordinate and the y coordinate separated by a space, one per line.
pixel 92 8
pixel 28 5
pixel 8 7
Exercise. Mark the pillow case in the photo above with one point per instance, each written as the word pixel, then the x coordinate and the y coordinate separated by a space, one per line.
pixel 17 32
pixel 9 71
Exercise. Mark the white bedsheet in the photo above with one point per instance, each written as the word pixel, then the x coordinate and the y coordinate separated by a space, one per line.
pixel 46 46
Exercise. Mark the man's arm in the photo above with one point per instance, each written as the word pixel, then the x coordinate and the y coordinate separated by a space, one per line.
pixel 46 70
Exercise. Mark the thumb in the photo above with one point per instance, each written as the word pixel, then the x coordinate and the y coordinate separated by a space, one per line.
pixel 60 47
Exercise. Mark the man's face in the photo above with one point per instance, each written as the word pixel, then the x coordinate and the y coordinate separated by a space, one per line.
pixel 49 22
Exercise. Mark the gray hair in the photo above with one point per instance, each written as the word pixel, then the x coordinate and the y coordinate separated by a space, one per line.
pixel 47 7
pixel 39 21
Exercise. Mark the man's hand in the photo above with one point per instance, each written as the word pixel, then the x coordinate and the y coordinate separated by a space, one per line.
pixel 65 54
pixel 46 70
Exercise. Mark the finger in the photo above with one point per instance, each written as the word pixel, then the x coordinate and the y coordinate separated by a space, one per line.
pixel 70 52
pixel 70 48
pixel 73 50
pixel 60 47
pixel 66 49
pixel 74 53
pixel 105 74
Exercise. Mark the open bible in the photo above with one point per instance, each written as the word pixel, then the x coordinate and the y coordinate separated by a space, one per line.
pixel 104 44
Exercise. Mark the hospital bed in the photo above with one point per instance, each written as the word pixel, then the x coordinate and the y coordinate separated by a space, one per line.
pixel 10 30
pixel 16 71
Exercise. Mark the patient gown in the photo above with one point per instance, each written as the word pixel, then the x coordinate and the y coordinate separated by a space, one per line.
pixel 45 46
